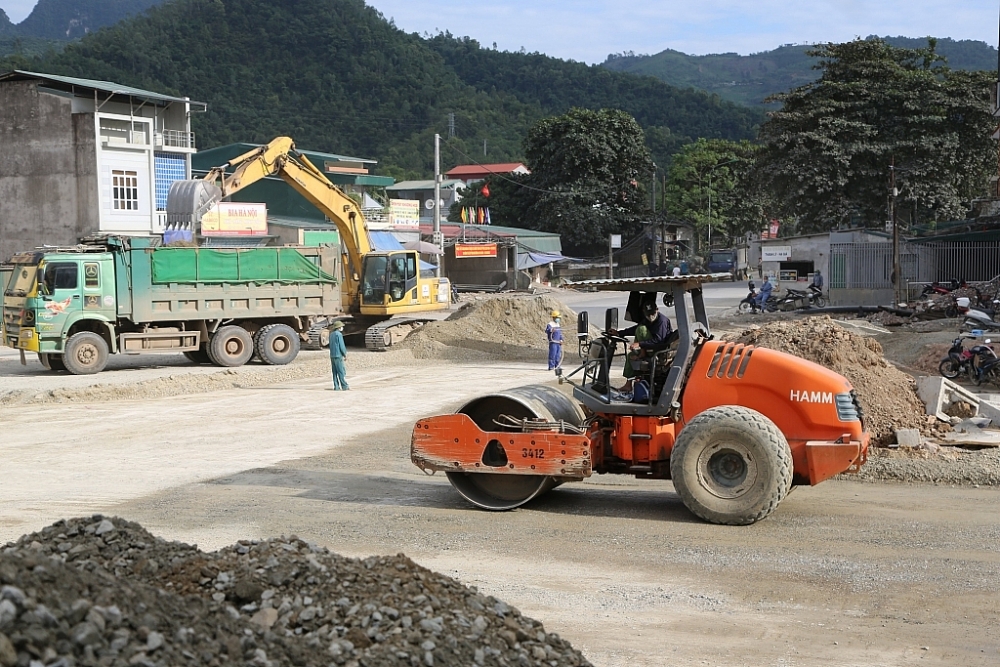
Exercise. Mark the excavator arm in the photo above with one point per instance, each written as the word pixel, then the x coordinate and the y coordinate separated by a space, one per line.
pixel 279 158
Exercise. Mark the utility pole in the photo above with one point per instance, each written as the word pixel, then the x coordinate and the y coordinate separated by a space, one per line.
pixel 451 126
pixel 896 277
pixel 611 257
pixel 438 237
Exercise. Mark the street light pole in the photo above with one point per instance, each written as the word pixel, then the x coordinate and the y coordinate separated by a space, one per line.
pixel 896 277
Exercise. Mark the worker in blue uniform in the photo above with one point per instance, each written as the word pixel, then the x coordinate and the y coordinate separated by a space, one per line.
pixel 338 354
pixel 553 331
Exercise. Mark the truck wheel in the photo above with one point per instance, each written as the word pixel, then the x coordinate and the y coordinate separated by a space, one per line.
pixel 230 346
pixel 86 353
pixel 52 362
pixel 731 465
pixel 278 344
pixel 199 356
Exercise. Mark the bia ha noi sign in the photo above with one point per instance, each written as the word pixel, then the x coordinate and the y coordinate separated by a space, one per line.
pixel 235 219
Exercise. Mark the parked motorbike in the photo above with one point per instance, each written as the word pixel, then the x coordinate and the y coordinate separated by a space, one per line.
pixel 989 371
pixel 977 318
pixel 812 297
pixel 962 361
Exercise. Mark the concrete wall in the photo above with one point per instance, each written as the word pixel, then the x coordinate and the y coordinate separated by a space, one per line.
pixel 48 180
pixel 859 297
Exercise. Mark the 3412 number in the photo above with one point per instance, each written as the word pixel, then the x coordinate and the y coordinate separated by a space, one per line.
pixel 532 453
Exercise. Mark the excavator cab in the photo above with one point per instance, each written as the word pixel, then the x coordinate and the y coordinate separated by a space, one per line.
pixel 390 279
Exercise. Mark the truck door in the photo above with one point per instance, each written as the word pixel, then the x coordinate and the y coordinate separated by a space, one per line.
pixel 61 293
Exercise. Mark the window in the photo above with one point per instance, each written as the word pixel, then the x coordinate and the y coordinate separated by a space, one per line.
pixel 125 190
pixel 167 168
pixel 60 276
pixel 91 275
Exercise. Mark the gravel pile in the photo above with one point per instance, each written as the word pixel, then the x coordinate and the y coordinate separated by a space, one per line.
pixel 887 395
pixel 505 327
pixel 947 465
pixel 104 591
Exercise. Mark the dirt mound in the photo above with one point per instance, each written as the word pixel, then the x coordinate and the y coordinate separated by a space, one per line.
pixel 105 591
pixel 507 327
pixel 887 395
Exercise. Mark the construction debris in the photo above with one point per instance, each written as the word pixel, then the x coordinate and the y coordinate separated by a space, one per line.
pixel 940 394
pixel 887 395
pixel 104 591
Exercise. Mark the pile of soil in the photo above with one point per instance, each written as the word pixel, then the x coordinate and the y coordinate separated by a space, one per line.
pixel 506 327
pixel 104 591
pixel 887 395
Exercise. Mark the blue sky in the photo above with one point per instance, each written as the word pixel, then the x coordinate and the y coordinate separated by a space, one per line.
pixel 588 30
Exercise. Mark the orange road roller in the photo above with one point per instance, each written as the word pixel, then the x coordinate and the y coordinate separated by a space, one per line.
pixel 733 426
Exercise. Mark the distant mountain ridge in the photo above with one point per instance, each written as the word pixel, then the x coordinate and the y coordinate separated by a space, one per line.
pixel 70 19
pixel 750 79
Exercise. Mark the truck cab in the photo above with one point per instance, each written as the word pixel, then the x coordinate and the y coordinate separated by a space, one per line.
pixel 722 261
pixel 51 295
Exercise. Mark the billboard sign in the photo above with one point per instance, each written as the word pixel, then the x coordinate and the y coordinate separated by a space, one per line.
pixel 775 253
pixel 404 212
pixel 230 218
pixel 475 250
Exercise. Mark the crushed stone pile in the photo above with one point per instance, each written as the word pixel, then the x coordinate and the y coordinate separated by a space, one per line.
pixel 887 395
pixel 510 327
pixel 104 591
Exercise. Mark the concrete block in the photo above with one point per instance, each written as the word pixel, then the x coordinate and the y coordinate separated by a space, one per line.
pixel 938 393
pixel 990 411
pixel 908 437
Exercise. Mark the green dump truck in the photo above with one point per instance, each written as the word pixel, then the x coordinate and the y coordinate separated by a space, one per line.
pixel 75 306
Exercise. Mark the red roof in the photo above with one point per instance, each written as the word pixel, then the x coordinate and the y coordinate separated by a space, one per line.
pixel 469 170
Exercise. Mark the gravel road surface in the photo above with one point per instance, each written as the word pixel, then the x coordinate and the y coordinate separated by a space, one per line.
pixel 846 573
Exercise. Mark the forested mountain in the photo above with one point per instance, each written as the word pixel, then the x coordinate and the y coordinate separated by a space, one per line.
pixel 750 79
pixel 336 76
pixel 62 20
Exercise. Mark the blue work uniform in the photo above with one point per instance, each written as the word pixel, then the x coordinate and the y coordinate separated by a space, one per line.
pixel 765 292
pixel 338 352
pixel 553 330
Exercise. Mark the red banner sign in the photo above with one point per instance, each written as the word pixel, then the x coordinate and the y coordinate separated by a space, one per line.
pixel 475 250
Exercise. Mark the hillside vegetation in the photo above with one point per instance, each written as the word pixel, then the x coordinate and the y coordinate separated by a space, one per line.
pixel 750 79
pixel 337 76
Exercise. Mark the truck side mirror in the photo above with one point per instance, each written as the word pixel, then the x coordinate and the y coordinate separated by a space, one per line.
pixel 610 319
pixel 582 324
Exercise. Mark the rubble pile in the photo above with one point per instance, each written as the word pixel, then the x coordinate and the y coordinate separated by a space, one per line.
pixel 887 395
pixel 509 327
pixel 104 591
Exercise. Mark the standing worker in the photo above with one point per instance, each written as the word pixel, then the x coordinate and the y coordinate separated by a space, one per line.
pixel 338 353
pixel 553 331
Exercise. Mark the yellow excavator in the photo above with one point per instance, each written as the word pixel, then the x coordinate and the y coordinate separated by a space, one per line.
pixel 382 290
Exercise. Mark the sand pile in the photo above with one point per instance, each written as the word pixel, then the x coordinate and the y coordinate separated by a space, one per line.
pixel 104 591
pixel 507 327
pixel 887 395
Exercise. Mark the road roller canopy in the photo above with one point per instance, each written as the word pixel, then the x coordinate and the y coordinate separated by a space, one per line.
pixel 651 283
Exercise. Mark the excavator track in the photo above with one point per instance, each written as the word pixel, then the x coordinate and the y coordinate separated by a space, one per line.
pixel 379 337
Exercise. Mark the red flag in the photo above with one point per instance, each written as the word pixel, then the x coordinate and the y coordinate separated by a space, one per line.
pixel 486 190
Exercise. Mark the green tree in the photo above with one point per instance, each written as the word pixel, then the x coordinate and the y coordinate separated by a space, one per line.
pixel 720 174
pixel 585 172
pixel 829 149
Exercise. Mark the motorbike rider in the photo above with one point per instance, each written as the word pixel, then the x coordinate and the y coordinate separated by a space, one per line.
pixel 765 292
pixel 818 281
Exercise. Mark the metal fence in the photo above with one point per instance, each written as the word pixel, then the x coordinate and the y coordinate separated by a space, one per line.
pixel 869 265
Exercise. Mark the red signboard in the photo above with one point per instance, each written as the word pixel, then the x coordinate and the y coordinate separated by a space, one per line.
pixel 475 250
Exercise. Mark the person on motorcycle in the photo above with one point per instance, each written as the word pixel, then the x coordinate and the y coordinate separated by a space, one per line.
pixel 818 280
pixel 765 292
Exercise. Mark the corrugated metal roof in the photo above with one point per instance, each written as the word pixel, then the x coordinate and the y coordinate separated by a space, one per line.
pixel 651 284
pixel 70 83
pixel 499 168
pixel 424 185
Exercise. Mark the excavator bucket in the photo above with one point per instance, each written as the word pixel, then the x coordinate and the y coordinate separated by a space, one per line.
pixel 188 201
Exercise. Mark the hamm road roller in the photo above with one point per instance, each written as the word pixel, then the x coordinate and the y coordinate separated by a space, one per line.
pixel 733 426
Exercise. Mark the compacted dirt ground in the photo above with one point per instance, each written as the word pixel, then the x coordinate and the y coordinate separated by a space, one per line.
pixel 846 573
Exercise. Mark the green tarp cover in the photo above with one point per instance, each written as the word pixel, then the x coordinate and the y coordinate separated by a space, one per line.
pixel 236 265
